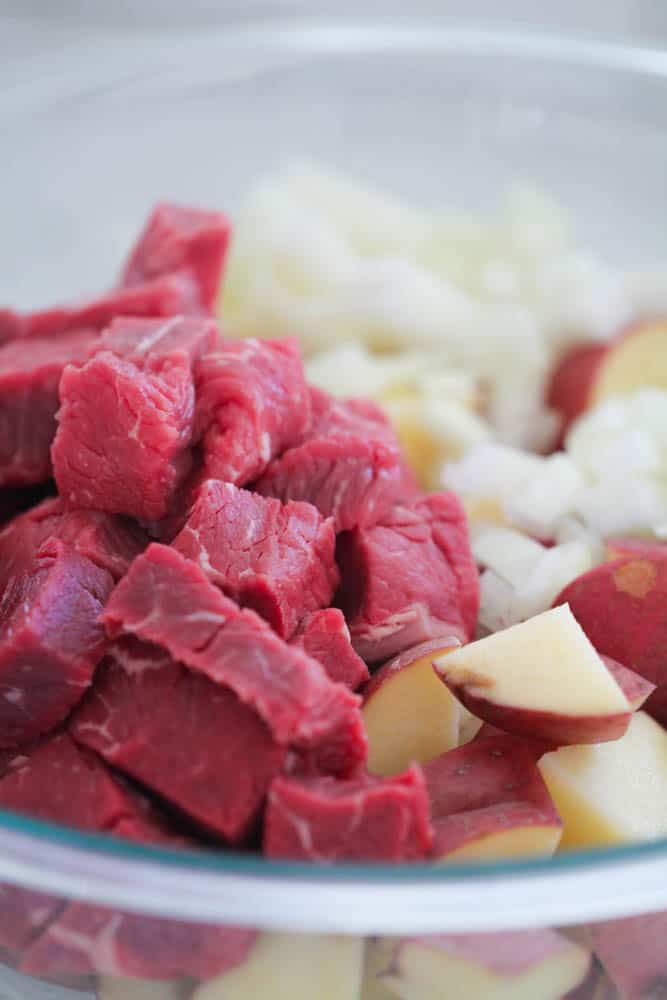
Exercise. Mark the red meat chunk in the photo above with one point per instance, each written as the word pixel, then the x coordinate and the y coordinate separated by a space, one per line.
pixel 367 819
pixel 29 378
pixel 63 783
pixel 349 466
pixel 187 739
pixel 410 578
pixel 181 238
pixel 252 402
pixel 324 635
pixel 278 560
pixel 126 419
pixel 171 295
pixel 50 639
pixel 23 913
pixel 166 599
pixel 86 939
pixel 109 541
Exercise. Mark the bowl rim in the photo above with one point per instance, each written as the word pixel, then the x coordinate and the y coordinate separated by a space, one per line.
pixel 216 886
pixel 241 48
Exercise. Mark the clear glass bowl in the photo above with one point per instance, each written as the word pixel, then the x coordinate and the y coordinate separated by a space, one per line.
pixel 96 126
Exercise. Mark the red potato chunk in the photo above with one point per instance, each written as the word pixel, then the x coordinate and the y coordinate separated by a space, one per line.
pixel 365 819
pixel 621 607
pixel 218 769
pixel 570 387
pixel 181 238
pixel 489 800
pixel 50 640
pixel 252 403
pixel 276 559
pixel 29 376
pixel 324 635
pixel 410 578
pixel 140 390
pixel 632 951
pixel 288 689
pixel 349 465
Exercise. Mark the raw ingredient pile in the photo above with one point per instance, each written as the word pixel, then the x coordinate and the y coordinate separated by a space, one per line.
pixel 242 609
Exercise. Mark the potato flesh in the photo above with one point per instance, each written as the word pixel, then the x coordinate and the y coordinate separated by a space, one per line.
pixel 411 717
pixel 543 664
pixel 293 967
pixel 611 793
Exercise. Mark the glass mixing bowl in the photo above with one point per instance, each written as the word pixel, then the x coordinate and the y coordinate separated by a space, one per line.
pixel 98 124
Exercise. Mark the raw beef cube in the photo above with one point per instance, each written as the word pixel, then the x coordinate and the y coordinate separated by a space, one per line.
pixel 171 295
pixel 350 466
pixel 29 378
pixel 159 344
pixel 126 419
pixel 50 640
pixel 367 819
pixel 410 578
pixel 252 402
pixel 324 635
pixel 63 783
pixel 109 541
pixel 23 913
pixel 182 736
pixel 166 599
pixel 181 238
pixel 278 560
pixel 87 939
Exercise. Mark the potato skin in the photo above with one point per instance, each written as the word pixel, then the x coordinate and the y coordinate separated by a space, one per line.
pixel 621 607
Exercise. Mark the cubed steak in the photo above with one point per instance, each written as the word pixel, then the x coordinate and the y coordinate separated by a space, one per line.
pixel 181 735
pixel 410 578
pixel 277 559
pixel 23 913
pixel 172 295
pixel 84 940
pixel 350 465
pixel 29 378
pixel 166 599
pixel 252 403
pixel 126 417
pixel 366 819
pixel 51 639
pixel 181 238
pixel 64 783
pixel 109 541
pixel 324 635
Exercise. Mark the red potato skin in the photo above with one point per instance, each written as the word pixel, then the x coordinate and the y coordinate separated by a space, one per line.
pixel 451 833
pixel 621 607
pixel 635 687
pixel 537 747
pixel 569 389
pixel 432 647
pixel 487 772
pixel 546 727
pixel 633 953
